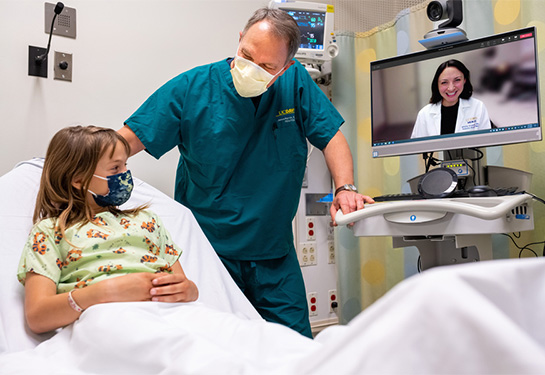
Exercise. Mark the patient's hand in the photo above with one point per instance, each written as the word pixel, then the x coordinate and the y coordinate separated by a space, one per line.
pixel 129 288
pixel 175 287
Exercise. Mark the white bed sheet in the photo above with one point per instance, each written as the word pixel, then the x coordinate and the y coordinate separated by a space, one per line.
pixel 483 318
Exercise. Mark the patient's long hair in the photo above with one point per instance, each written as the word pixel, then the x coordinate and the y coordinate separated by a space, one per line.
pixel 73 153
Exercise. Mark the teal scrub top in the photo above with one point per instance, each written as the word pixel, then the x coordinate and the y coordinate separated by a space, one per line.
pixel 241 167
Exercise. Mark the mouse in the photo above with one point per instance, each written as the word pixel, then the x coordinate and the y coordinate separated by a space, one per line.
pixel 481 191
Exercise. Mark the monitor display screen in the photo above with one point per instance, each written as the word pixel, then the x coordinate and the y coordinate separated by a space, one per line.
pixel 311 24
pixel 424 102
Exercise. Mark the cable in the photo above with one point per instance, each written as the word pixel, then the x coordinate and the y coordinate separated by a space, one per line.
pixel 471 167
pixel 521 250
pixel 429 160
pixel 535 197
pixel 525 247
pixel 481 154
pixel 541 201
pixel 425 157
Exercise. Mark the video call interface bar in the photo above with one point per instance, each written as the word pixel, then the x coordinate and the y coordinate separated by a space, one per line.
pixel 490 41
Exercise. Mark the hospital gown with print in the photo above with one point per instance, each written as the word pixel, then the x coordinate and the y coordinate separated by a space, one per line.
pixel 110 245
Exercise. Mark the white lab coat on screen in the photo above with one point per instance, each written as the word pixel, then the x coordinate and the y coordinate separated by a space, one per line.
pixel 472 115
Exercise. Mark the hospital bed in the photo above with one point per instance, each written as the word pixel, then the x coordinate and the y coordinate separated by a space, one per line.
pixel 478 318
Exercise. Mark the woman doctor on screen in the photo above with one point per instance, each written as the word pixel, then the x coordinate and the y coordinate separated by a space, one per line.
pixel 451 108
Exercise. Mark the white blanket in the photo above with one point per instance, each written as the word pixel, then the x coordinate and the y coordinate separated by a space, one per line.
pixel 470 319
pixel 160 338
pixel 481 318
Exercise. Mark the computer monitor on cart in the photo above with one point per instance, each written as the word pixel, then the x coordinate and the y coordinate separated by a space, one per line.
pixel 503 72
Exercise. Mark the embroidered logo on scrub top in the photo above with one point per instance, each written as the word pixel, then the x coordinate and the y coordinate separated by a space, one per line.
pixel 470 124
pixel 285 116
pixel 284 112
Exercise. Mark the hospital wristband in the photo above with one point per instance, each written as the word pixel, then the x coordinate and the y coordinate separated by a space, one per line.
pixel 73 303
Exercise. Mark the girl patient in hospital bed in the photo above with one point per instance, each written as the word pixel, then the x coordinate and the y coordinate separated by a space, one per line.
pixel 83 250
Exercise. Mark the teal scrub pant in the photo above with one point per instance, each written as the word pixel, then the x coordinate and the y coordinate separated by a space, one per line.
pixel 276 289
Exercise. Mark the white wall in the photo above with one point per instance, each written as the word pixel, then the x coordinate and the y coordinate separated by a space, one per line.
pixel 124 50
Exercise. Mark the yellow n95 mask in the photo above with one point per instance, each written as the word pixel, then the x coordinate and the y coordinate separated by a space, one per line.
pixel 250 79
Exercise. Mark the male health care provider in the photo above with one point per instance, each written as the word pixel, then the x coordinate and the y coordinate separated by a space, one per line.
pixel 241 126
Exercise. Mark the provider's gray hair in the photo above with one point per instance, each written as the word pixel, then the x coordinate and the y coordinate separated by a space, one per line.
pixel 283 25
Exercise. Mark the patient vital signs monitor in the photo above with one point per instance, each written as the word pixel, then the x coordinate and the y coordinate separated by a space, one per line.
pixel 504 75
pixel 315 20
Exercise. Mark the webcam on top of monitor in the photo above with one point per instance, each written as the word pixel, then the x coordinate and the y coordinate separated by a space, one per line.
pixel 447 32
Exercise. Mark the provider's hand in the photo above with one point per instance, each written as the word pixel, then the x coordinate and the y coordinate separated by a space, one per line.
pixel 175 287
pixel 348 201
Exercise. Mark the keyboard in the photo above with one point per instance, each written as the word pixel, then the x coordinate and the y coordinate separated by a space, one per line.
pixel 398 197
pixel 500 191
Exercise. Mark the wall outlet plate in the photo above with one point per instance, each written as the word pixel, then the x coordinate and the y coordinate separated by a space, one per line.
pixel 331 252
pixel 330 231
pixel 312 304
pixel 333 301
pixel 310 229
pixel 307 254
pixel 63 59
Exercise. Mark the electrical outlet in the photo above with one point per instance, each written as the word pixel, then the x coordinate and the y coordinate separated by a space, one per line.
pixel 312 254
pixel 331 252
pixel 302 255
pixel 312 304
pixel 333 301
pixel 330 231
pixel 307 254
pixel 311 229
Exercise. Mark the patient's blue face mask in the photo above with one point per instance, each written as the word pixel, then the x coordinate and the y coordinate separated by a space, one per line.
pixel 120 186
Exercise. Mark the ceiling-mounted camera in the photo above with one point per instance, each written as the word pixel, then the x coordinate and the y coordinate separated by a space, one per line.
pixel 447 32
